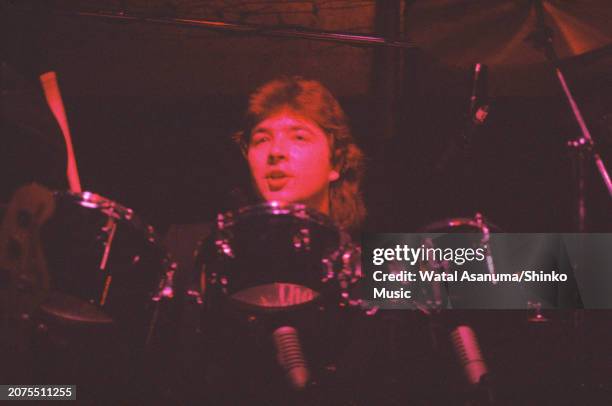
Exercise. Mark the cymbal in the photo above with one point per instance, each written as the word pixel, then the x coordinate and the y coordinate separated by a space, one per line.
pixel 500 33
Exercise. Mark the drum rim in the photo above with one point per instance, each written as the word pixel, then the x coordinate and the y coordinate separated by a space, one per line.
pixel 91 200
pixel 297 210
pixel 452 222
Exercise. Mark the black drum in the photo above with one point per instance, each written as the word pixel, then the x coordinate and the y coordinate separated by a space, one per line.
pixel 278 256
pixel 90 284
pixel 469 233
pixel 105 265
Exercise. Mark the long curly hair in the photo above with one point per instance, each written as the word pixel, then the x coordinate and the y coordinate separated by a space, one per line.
pixel 314 101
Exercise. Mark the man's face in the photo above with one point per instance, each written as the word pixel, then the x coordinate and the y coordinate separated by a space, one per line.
pixel 289 158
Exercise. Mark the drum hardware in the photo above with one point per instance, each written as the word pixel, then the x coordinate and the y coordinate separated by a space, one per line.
pixel 351 266
pixel 165 292
pixel 537 316
pixel 196 295
pixel 484 243
pixel 438 267
pixel 109 229
pixel 166 285
pixel 301 240
pixel 94 201
pixel 224 248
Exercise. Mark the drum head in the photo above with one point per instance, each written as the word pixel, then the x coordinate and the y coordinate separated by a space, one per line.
pixel 272 255
pixel 275 295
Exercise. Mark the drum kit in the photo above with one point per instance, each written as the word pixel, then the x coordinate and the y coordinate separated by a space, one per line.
pixel 84 278
pixel 84 271
pixel 92 289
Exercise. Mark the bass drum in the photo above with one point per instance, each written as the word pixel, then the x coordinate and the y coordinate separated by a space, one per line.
pixel 90 288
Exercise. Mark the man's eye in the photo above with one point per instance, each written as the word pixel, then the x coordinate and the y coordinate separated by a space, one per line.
pixel 300 137
pixel 259 139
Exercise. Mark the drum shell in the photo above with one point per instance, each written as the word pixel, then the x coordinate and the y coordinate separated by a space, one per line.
pixel 264 248
pixel 74 241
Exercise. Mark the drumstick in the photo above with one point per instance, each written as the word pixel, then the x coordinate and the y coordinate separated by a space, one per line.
pixel 54 100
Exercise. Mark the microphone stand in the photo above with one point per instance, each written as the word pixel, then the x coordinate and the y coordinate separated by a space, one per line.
pixel 584 146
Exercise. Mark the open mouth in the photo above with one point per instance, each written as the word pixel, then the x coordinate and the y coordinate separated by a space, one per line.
pixel 277 174
pixel 277 180
pixel 277 183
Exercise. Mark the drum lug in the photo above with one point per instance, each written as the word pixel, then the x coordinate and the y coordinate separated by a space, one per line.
pixel 351 264
pixel 196 295
pixel 328 271
pixel 151 236
pixel 224 248
pixel 224 221
pixel 372 312
pixel 537 317
pixel 220 281
pixel 42 328
pixel 301 240
pixel 166 286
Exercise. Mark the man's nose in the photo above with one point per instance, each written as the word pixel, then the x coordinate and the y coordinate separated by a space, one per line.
pixel 278 150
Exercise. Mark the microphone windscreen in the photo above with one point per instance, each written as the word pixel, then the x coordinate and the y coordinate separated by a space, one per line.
pixel 469 354
pixel 290 356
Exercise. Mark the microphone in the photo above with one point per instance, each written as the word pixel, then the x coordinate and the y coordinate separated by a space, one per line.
pixel 290 357
pixel 468 351
pixel 477 113
pixel 470 357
